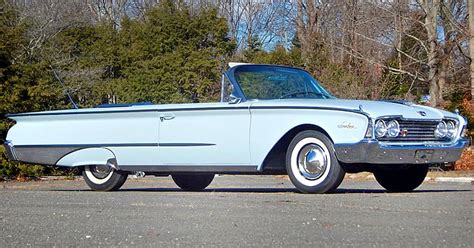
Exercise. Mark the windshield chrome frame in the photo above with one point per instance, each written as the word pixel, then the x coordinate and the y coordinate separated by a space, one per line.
pixel 237 90
pixel 230 74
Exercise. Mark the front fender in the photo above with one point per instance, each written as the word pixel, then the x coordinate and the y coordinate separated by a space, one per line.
pixel 268 126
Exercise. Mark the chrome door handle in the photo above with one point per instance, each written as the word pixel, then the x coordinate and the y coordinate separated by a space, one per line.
pixel 166 116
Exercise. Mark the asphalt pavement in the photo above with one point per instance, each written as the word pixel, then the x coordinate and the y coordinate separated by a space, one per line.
pixel 235 211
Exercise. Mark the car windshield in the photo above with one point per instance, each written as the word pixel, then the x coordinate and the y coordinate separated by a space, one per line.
pixel 275 82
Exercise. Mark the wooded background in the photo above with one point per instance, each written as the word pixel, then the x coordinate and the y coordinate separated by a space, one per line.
pixel 165 51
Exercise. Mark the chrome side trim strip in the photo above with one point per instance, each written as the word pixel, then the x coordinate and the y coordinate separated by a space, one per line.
pixel 187 109
pixel 124 111
pixel 184 144
pixel 356 111
pixel 114 145
pixel 87 145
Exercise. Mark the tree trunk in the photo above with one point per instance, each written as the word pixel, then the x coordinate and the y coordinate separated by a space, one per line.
pixel 343 38
pixel 398 33
pixel 470 6
pixel 431 8
pixel 444 63
pixel 353 23
pixel 301 28
pixel 307 25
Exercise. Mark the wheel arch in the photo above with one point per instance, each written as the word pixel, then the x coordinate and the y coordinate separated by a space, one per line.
pixel 89 156
pixel 274 161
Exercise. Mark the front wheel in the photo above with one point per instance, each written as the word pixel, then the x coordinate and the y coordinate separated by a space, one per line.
pixel 311 163
pixel 103 177
pixel 403 179
pixel 192 182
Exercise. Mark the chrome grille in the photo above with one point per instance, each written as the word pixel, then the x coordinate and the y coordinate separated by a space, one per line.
pixel 416 131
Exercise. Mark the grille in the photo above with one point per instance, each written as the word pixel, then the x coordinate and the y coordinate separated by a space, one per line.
pixel 416 131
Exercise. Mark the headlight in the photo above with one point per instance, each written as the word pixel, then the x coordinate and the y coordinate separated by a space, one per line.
pixel 393 129
pixel 441 130
pixel 380 129
pixel 452 129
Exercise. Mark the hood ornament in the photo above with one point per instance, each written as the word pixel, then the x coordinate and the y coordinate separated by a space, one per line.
pixel 422 113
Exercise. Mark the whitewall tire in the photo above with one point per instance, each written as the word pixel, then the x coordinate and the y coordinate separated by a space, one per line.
pixel 311 163
pixel 103 178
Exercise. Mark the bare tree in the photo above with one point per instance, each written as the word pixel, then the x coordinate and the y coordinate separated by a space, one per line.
pixel 452 29
pixel 307 24
pixel 367 33
pixel 46 20
pixel 266 21
pixel 471 44
pixel 422 41
pixel 431 11
pixel 109 10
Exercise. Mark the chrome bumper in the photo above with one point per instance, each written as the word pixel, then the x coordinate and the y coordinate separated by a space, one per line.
pixel 370 151
pixel 10 151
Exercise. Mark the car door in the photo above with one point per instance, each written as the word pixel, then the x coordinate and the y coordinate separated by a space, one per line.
pixel 214 134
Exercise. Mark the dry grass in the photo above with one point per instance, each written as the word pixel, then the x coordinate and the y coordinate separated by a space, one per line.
pixel 467 160
pixel 362 176
pixel 465 173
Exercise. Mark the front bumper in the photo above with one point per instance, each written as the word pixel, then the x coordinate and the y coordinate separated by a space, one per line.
pixel 10 151
pixel 370 151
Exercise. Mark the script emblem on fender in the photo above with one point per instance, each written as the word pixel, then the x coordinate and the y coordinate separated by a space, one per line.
pixel 347 125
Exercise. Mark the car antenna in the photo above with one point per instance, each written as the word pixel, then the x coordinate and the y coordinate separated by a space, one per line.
pixel 66 91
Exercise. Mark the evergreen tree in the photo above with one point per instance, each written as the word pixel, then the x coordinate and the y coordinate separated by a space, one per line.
pixel 25 82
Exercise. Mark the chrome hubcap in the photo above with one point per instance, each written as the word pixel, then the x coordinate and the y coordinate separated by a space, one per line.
pixel 100 171
pixel 312 161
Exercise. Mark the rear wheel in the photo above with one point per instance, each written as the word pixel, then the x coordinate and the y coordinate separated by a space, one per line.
pixel 103 177
pixel 402 180
pixel 192 182
pixel 311 163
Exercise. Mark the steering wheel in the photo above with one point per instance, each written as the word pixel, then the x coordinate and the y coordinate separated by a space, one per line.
pixel 303 93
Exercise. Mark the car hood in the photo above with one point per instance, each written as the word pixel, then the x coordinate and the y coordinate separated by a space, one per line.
pixel 374 109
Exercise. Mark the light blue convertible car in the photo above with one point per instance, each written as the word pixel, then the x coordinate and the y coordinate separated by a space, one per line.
pixel 271 120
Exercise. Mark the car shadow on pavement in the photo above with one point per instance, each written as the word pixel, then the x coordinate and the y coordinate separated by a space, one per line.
pixel 218 190
pixel 271 190
pixel 346 191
